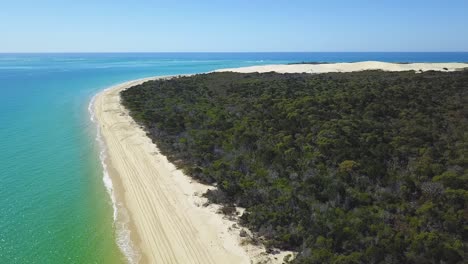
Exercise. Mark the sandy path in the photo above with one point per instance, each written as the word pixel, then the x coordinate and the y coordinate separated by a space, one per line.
pixel 167 225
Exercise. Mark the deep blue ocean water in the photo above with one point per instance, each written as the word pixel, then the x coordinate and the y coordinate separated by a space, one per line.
pixel 53 204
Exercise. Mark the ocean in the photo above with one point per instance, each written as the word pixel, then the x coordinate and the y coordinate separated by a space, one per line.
pixel 54 205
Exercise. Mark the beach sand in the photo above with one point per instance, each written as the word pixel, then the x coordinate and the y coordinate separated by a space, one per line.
pixel 168 222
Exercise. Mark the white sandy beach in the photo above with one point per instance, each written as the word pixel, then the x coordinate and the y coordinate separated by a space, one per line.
pixel 167 220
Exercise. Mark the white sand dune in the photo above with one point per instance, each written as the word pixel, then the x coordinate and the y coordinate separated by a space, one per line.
pixel 167 222
pixel 349 67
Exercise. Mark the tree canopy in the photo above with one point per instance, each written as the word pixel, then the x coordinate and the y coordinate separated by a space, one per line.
pixel 365 167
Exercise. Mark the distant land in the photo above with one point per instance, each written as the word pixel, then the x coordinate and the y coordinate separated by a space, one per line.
pixel 309 62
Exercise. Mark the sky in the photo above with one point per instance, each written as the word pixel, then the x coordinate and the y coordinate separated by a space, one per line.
pixel 233 25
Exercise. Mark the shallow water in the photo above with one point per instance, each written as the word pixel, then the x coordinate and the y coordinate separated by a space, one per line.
pixel 54 207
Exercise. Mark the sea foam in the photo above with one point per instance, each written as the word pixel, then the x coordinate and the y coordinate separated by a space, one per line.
pixel 120 215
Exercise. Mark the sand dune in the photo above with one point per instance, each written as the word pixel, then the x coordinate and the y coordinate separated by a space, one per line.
pixel 350 67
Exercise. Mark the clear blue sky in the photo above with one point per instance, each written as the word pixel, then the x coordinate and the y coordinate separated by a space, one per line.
pixel 233 25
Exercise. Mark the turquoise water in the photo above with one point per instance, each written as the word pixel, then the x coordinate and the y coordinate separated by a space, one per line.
pixel 54 207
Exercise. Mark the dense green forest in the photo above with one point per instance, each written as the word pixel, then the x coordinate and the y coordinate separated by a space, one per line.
pixel 365 167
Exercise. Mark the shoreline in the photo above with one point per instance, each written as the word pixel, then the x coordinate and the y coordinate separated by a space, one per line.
pixel 161 209
pixel 113 185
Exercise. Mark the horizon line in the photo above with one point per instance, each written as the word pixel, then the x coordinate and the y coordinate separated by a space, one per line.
pixel 141 52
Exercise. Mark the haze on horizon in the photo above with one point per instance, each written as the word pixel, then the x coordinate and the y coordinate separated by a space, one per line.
pixel 235 26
